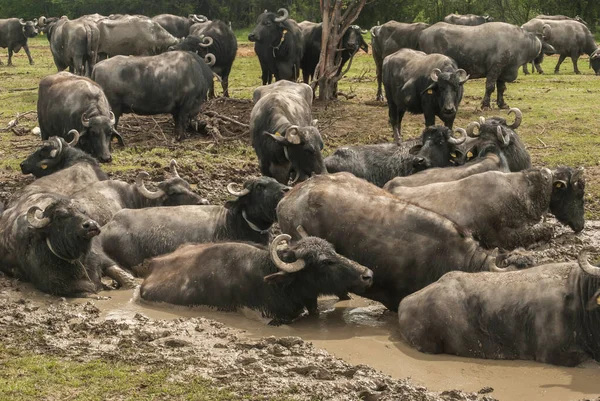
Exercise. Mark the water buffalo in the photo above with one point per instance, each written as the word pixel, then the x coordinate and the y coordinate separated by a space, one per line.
pixel 74 44
pixel 568 38
pixel 390 37
pixel 14 33
pixel 175 82
pixel 512 205
pixel 548 313
pixel 422 84
pixel 284 135
pixel 278 45
pixel 560 17
pixel 67 101
pixel 490 162
pixel 133 236
pixel 230 275
pixel 494 50
pixel 406 246
pixel 178 26
pixel 380 163
pixel 44 24
pixel 467 19
pixel 312 33
pixel 595 61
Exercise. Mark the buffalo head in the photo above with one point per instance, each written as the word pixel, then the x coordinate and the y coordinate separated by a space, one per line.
pixel 97 135
pixel 194 44
pixel 566 203
pixel 593 302
pixel 595 61
pixel 49 156
pixel 438 145
pixel 353 40
pixel 270 28
pixel 447 87
pixel 29 28
pixel 258 200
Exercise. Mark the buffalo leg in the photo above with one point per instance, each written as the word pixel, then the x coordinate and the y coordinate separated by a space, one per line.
pixel 378 66
pixel 180 121
pixel 211 91
pixel 525 70
pixel 395 120
pixel 10 54
pixel 225 83
pixel 123 278
pixel 511 238
pixel 560 61
pixel 574 58
pixel 490 86
pixel 28 54
pixel 501 85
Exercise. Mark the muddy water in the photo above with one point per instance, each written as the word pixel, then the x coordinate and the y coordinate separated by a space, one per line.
pixel 363 333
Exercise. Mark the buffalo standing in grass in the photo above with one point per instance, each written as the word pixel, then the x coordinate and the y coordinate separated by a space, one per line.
pixel 420 83
pixel 74 44
pixel 595 61
pixel 14 33
pixel 279 283
pixel 549 313
pixel 178 26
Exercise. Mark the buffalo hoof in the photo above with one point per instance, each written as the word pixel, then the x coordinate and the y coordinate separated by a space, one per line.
pixel 344 297
pixel 556 71
pixel 485 107
pixel 540 71
pixel 279 321
pixel 31 63
pixel 577 72
pixel 503 106
pixel 519 258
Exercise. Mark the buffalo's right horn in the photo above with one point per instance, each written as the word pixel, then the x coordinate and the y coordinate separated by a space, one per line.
pixel 35 221
pixel 281 265
pixel 75 139
pixel 141 187
pixel 42 21
pixel 21 21
pixel 112 118
pixel 584 264
pixel 57 151
pixel 502 137
pixel 173 167
pixel 85 121
pixel 481 120
pixel 471 127
pixel 207 41
pixel 302 231
pixel 460 140
pixel 284 15
pixel 518 117
pixel 233 192
pixel 199 18
pixel 435 74
pixel 595 54
pixel 210 59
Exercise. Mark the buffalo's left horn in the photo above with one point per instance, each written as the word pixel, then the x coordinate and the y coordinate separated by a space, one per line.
pixel 210 59
pixel 460 140
pixel 471 127
pixel 54 152
pixel 75 139
pixel 503 138
pixel 173 167
pixel 112 117
pixel 42 21
pixel 207 41
pixel 284 15
pixel 233 192
pixel 141 187
pixel 21 21
pixel 35 221
pixel 518 117
pixel 85 121
pixel 281 265
pixel 595 54
pixel 302 231
pixel 435 74
pixel 577 175
pixel 481 120
pixel 584 264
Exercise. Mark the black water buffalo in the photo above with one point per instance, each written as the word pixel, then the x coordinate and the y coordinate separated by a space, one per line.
pixel 406 246
pixel 278 45
pixel 595 61
pixel 178 26
pixel 44 24
pixel 224 48
pixel 549 313
pixel 422 84
pixel 133 236
pixel 494 50
pixel 512 205
pixel 230 275
pixel 175 82
pixel 490 162
pixel 496 133
pixel 467 19
pixel 14 33
pixel 380 163
pixel 133 35
pixel 284 135
pixel 74 44
pixel 67 101
pixel 568 38
pixel 560 17
pixel 312 32
pixel 390 37
pixel 101 200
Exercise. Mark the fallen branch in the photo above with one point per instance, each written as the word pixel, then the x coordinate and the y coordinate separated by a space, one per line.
pixel 542 142
pixel 13 123
pixel 225 118
pixel 348 97
pixel 22 89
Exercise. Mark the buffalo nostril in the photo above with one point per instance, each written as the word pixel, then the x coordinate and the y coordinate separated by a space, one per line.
pixel 367 276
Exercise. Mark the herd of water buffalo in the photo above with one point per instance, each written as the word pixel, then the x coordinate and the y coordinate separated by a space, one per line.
pixel 392 222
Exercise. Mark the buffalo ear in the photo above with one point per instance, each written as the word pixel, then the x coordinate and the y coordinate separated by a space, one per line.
pixel 560 184
pixel 462 76
pixel 277 136
pixel 279 277
pixel 429 90
pixel 415 149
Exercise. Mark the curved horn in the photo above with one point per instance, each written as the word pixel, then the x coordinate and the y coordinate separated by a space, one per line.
pixel 233 192
pixel 207 41
pixel 173 167
pixel 139 183
pixel 435 73
pixel 112 117
pixel 471 127
pixel 34 221
pixel 281 265
pixel 546 31
pixel 494 267
pixel 75 139
pixel 85 121
pixel 42 21
pixel 584 264
pixel 364 31
pixel 21 21
pixel 518 117
pixel 595 54
pixel 200 18
pixel 302 232
pixel 481 120
pixel 210 59
pixel 577 175
pixel 460 140
pixel 284 16
pixel 504 139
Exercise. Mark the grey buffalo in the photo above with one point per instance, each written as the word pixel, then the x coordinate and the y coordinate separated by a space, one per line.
pixel 284 135
pixel 14 33
pixel 66 102
pixel 422 84
pixel 549 313
pixel 178 26
pixel 278 283
pixel 175 82
pixel 512 205
pixel 74 44
pixel 390 37
pixel 373 227
pixel 595 61
pixel 494 51
pixel 561 18
pixel 467 19
pixel 278 45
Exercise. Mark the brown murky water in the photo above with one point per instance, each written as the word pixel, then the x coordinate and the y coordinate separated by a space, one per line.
pixel 363 333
